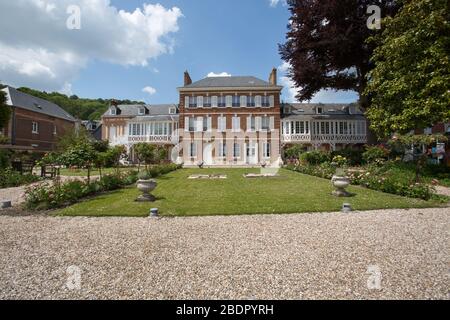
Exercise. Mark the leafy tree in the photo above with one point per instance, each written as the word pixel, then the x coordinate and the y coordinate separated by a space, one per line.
pixel 145 153
pixel 326 45
pixel 73 137
pixel 81 154
pixel 409 87
pixel 5 110
pixel 115 154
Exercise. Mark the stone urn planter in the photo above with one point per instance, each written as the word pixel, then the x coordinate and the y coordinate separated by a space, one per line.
pixel 146 186
pixel 340 183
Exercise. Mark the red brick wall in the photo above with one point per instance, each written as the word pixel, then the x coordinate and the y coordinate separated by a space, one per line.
pixel 44 139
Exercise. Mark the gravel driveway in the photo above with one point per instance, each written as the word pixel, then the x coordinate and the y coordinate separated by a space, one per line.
pixel 302 256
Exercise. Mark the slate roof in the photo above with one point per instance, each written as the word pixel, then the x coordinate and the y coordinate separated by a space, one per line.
pixel 25 101
pixel 330 110
pixel 229 82
pixel 132 110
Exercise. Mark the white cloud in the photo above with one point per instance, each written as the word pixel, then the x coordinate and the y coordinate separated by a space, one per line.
pixel 274 3
pixel 44 54
pixel 222 74
pixel 149 90
pixel 290 91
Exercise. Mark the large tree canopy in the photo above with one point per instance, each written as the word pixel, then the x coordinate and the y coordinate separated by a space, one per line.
pixel 326 44
pixel 410 85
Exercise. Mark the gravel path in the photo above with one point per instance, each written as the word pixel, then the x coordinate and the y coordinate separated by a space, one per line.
pixel 302 256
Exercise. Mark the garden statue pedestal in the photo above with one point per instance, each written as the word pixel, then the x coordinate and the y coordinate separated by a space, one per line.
pixel 146 187
pixel 340 183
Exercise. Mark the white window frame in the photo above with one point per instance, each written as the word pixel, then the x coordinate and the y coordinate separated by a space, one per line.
pixel 173 111
pixel 113 111
pixel 34 127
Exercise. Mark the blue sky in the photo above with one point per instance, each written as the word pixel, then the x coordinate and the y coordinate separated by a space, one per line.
pixel 234 36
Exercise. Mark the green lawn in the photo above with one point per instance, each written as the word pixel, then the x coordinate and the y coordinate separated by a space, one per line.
pixel 94 172
pixel 290 193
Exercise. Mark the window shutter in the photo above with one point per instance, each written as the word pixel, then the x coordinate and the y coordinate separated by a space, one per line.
pixel 186 102
pixel 243 101
pixel 199 124
pixel 258 125
pixel 209 124
pixel 249 123
pixel 272 123
pixel 224 123
pixel 200 102
pixel 214 101
pixel 229 101
pixel 186 124
pixel 258 101
pixel 272 101
pixel 236 124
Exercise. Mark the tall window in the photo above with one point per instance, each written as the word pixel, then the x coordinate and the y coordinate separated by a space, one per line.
pixel 266 149
pixel 191 124
pixel 222 150
pixel 265 123
pixel 193 150
pixel 207 102
pixel 205 124
pixel 236 124
pixel 236 150
pixel 192 102
pixel 265 101
pixel 35 127
pixel 252 124
pixel 54 130
pixel 251 101
pixel 222 101
pixel 236 101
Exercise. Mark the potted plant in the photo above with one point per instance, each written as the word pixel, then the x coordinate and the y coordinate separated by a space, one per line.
pixel 340 180
pixel 146 185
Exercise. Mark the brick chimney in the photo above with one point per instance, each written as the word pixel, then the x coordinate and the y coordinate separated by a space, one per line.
pixel 114 103
pixel 187 79
pixel 273 77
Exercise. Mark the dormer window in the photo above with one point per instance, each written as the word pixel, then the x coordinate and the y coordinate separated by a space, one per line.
pixel 319 110
pixel 36 105
pixel 141 111
pixel 113 111
pixel 172 111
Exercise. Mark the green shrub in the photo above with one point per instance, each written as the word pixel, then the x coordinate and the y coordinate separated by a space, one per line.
pixel 51 196
pixel 111 182
pixel 375 154
pixel 353 156
pixel 315 157
pixel 5 159
pixel 11 179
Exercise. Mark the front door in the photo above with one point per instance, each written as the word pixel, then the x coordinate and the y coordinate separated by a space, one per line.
pixel 252 153
pixel 207 154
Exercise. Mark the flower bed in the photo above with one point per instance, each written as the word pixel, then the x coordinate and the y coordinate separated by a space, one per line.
pixel 381 178
pixel 55 195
